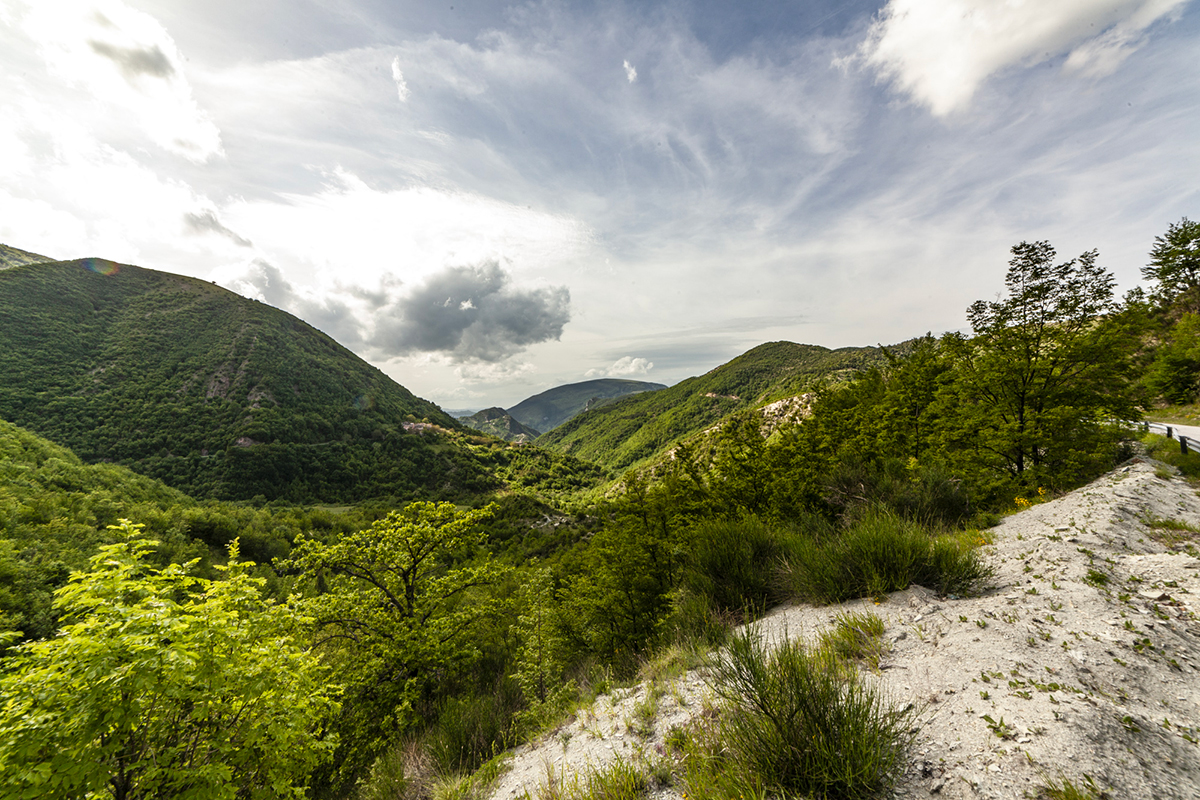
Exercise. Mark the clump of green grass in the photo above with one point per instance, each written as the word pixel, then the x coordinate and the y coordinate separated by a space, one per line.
pixel 796 722
pixel 619 780
pixel 856 637
pixel 730 564
pixel 1062 788
pixel 1160 448
pixel 883 553
pixel 1169 531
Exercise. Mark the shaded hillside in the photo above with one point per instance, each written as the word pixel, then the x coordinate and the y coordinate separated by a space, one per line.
pixel 553 407
pixel 12 257
pixel 499 423
pixel 625 431
pixel 215 394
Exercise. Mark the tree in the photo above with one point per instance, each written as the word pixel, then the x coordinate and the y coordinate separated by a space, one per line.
pixel 1175 373
pixel 1048 366
pixel 392 611
pixel 162 685
pixel 1175 265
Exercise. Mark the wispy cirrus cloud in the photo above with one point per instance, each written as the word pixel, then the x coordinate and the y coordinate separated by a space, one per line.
pixel 940 52
pixel 126 59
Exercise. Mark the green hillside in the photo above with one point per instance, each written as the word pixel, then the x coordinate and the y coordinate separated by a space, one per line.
pixel 621 433
pixel 553 407
pixel 12 257
pixel 215 394
pixel 499 423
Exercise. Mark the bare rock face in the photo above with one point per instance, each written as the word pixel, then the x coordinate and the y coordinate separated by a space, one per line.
pixel 1081 660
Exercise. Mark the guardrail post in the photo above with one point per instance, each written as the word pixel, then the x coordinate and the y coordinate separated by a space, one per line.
pixel 1169 436
pixel 1183 445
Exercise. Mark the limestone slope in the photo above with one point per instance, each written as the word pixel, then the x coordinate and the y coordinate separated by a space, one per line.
pixel 1082 659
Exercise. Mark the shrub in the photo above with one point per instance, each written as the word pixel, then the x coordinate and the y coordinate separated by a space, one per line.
pixel 882 553
pixel 797 722
pixel 926 494
pixel 734 564
pixel 471 730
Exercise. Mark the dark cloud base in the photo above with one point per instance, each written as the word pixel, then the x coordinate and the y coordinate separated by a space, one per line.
pixel 472 314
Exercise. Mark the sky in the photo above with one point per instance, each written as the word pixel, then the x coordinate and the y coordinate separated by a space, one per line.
pixel 489 199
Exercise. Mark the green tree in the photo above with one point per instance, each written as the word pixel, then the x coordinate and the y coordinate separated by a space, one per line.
pixel 543 655
pixel 1048 366
pixel 1175 373
pixel 162 685
pixel 392 611
pixel 1175 265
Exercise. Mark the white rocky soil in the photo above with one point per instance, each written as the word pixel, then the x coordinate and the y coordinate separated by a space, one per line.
pixel 1084 652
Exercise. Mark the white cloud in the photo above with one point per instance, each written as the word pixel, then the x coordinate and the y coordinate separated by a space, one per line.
pixel 492 373
pixel 940 51
pixel 125 59
pixel 355 233
pixel 398 77
pixel 66 193
pixel 630 72
pixel 622 367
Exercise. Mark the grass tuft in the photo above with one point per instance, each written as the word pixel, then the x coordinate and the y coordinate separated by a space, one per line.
pixel 883 553
pixel 1062 788
pixel 856 637
pixel 795 722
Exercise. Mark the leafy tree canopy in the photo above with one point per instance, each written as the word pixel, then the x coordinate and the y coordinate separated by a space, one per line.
pixel 1175 264
pixel 391 608
pixel 162 685
pixel 1047 366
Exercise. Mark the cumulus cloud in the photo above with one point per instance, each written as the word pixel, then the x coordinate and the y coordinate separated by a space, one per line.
pixel 622 368
pixel 339 313
pixel 472 313
pixel 939 53
pixel 398 77
pixel 630 72
pixel 207 222
pixel 128 61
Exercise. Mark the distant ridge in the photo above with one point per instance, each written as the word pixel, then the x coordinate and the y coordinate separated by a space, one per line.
pixel 499 423
pixel 12 257
pixel 553 407
pixel 628 430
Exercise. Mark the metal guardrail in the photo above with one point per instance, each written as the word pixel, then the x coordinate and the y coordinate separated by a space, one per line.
pixel 1171 433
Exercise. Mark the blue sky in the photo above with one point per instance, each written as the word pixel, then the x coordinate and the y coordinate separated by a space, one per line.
pixel 487 199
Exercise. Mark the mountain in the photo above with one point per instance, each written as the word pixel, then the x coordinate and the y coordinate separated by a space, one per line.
pixel 12 257
pixel 622 432
pixel 499 423
pixel 215 394
pixel 553 407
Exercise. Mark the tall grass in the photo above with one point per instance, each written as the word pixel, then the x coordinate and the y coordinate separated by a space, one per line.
pixel 929 494
pixel 881 553
pixel 796 722
pixel 732 564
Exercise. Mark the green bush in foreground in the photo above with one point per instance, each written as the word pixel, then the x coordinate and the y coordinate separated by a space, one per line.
pixel 799 723
pixel 883 553
pixel 162 685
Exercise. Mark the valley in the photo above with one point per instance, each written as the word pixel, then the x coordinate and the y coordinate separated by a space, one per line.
pixel 474 605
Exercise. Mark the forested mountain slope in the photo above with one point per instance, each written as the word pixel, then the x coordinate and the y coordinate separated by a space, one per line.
pixel 627 430
pixel 215 394
pixel 553 407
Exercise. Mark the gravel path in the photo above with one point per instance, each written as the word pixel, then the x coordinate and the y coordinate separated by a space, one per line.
pixel 1084 652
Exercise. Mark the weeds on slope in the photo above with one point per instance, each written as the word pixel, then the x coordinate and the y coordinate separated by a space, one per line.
pixel 881 553
pixel 796 722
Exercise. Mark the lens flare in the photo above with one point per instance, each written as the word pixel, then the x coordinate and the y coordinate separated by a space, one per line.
pixel 101 267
